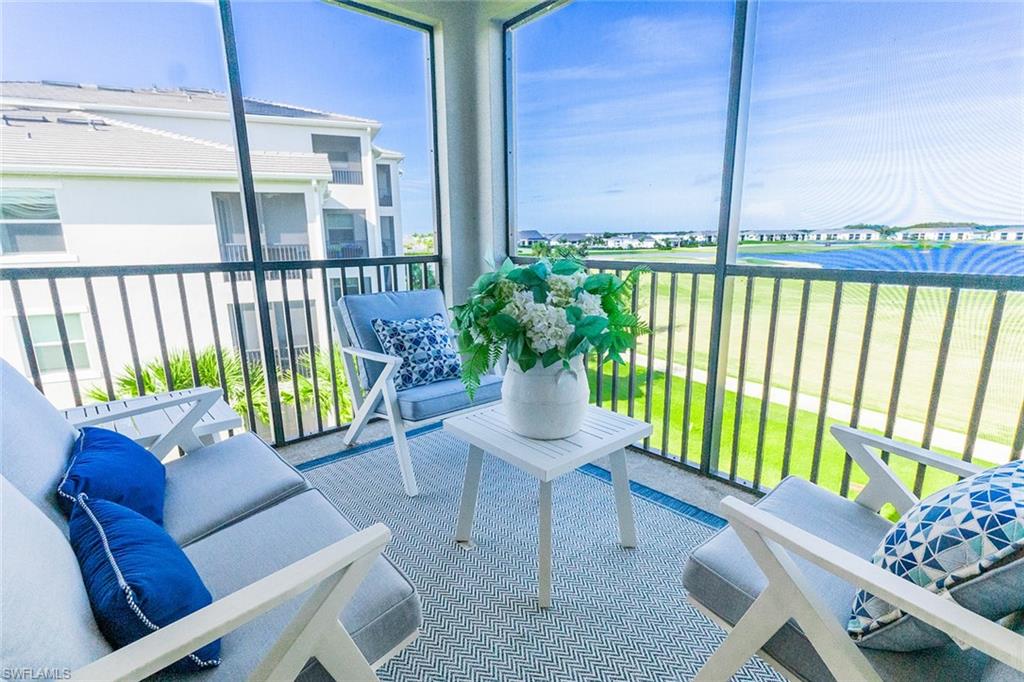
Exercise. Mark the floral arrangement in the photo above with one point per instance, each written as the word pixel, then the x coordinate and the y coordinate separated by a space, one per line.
pixel 545 312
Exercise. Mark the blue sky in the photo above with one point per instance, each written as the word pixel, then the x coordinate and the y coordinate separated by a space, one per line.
pixel 306 53
pixel 861 112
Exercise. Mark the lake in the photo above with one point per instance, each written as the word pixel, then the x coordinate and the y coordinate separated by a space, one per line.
pixel 986 259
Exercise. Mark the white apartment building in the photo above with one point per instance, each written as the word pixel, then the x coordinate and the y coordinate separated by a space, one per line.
pixel 110 176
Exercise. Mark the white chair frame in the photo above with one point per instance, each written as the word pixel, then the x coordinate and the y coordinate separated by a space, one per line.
pixel 384 390
pixel 773 543
pixel 314 632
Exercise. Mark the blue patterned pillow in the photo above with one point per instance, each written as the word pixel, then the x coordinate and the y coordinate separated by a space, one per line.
pixel 966 540
pixel 425 346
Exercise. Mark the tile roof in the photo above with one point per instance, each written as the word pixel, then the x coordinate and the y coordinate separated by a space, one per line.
pixel 38 138
pixel 179 99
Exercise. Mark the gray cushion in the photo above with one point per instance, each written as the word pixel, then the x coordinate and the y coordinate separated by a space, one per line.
pixel 996 671
pixel 222 483
pixel 47 621
pixel 35 442
pixel 444 397
pixel 384 611
pixel 359 311
pixel 722 576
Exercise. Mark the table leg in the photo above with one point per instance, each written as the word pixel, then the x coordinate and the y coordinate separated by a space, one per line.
pixel 544 546
pixel 623 500
pixel 470 487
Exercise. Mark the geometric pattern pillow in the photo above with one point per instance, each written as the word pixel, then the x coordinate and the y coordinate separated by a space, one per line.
pixel 425 346
pixel 948 539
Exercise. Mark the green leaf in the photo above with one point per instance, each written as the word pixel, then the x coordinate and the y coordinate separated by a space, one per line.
pixel 576 344
pixel 600 283
pixel 591 325
pixel 540 293
pixel 504 324
pixel 524 276
pixel 516 344
pixel 507 266
pixel 540 268
pixel 483 282
pixel 550 357
pixel 574 314
pixel 527 361
pixel 566 266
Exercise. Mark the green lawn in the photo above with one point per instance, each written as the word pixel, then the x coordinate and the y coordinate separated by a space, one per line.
pixel 1003 397
pixel 804 429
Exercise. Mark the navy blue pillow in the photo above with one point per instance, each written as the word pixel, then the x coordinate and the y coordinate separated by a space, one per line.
pixel 137 578
pixel 108 466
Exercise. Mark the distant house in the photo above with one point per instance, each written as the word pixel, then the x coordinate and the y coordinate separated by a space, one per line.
pixel 570 238
pixel 844 234
pixel 788 235
pixel 636 240
pixel 1002 233
pixel 528 238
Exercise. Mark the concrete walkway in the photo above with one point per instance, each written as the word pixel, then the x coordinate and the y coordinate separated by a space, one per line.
pixel 904 429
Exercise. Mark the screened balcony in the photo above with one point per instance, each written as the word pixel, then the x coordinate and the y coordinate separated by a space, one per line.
pixel 232 216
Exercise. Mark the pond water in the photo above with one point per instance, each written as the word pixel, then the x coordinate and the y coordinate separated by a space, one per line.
pixel 984 259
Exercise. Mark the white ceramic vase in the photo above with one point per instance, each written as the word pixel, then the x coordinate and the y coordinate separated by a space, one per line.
pixel 546 402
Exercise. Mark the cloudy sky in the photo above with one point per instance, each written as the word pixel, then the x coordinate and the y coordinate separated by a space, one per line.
pixel 893 112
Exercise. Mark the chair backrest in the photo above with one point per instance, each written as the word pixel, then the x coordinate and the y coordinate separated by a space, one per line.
pixel 47 622
pixel 35 442
pixel 356 314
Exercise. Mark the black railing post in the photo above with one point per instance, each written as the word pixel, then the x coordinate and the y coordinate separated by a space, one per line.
pixel 251 217
pixel 728 230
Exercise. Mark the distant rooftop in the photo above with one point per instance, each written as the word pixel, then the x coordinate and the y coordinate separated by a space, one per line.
pixel 77 95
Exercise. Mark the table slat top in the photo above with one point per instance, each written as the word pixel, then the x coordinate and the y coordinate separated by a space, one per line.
pixel 603 432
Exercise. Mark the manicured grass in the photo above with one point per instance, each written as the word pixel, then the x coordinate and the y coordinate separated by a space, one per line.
pixel 1002 400
pixel 804 428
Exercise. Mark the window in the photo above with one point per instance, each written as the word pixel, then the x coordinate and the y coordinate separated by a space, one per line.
pixel 346 233
pixel 250 326
pixel 29 222
pixel 282 225
pixel 620 129
pixel 387 235
pixel 47 346
pixel 384 184
pixel 345 156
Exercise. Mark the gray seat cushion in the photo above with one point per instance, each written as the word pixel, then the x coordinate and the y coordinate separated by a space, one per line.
pixel 384 611
pixel 359 311
pixel 35 442
pixel 997 671
pixel 722 577
pixel 444 397
pixel 47 621
pixel 224 482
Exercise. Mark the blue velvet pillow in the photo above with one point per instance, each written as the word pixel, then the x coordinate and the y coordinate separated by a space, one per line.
pixel 137 578
pixel 108 466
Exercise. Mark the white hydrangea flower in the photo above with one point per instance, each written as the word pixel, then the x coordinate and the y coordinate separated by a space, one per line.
pixel 589 303
pixel 546 325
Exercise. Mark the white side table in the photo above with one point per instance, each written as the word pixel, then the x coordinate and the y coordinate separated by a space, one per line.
pixel 604 433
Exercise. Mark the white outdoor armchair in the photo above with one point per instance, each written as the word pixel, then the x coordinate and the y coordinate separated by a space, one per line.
pixel 807 552
pixel 371 373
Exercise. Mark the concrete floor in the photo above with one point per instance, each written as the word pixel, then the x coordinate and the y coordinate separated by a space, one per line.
pixel 650 471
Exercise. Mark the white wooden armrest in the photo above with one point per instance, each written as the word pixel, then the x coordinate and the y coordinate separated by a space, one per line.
pixel 337 569
pixel 372 355
pixel 764 533
pixel 179 431
pixel 883 483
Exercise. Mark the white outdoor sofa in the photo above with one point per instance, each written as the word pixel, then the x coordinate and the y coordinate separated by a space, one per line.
pixel 279 559
pixel 782 576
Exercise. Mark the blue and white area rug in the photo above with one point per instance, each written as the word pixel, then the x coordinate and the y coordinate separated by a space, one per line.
pixel 617 614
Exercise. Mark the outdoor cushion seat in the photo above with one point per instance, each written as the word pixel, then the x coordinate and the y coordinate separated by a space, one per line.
pixel 444 397
pixel 722 577
pixel 384 611
pixel 232 479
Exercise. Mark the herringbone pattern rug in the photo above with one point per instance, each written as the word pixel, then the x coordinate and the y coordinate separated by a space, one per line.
pixel 617 614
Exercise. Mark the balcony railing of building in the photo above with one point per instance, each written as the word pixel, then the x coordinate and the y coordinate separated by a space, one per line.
pixel 151 328
pixel 359 248
pixel 922 357
pixel 385 199
pixel 347 177
pixel 239 253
